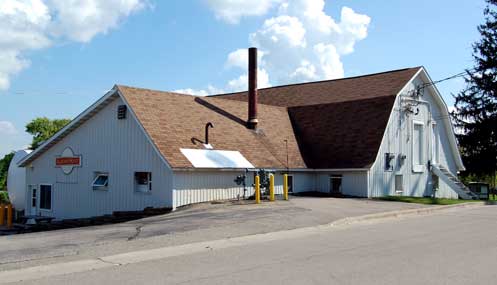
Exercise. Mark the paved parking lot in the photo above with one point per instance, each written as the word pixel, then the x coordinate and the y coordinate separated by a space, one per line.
pixel 453 246
pixel 193 224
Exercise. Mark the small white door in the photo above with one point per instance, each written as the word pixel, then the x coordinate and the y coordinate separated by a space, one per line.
pixel 34 201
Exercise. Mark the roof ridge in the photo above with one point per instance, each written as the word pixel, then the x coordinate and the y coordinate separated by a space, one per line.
pixel 321 81
pixel 241 102
pixel 156 90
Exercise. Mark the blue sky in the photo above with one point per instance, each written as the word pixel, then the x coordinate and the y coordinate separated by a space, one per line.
pixel 56 63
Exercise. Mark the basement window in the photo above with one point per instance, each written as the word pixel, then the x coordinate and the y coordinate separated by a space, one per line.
pixel 100 181
pixel 143 181
pixel 399 183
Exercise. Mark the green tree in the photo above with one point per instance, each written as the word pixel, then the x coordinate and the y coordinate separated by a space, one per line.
pixel 43 128
pixel 4 167
pixel 476 106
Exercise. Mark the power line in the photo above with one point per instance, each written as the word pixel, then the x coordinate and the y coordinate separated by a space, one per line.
pixel 460 74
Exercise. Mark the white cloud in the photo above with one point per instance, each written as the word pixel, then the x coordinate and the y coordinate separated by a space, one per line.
pixel 238 58
pixel 7 128
pixel 80 20
pixel 305 72
pixel 303 43
pixel 23 27
pixel 237 84
pixel 329 61
pixel 241 83
pixel 280 31
pixel 299 43
pixel 35 24
pixel 231 11
pixel 210 90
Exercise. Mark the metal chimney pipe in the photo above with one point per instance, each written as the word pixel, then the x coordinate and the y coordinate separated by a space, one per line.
pixel 252 88
pixel 207 126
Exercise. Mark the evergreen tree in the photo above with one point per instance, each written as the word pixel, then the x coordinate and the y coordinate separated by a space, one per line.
pixel 476 106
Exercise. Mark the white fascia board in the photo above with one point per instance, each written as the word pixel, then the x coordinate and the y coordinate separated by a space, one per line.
pixel 75 121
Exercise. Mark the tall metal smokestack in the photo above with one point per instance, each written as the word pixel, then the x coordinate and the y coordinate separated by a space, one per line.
pixel 252 88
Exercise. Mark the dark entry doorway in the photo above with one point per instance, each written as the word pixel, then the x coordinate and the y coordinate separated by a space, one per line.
pixel 336 185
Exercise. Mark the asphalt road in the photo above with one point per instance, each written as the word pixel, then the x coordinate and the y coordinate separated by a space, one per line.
pixel 194 224
pixel 457 246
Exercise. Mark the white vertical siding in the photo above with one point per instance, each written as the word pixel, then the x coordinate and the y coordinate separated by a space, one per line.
pixel 303 181
pixel 398 140
pixel 106 144
pixel 353 183
pixel 192 187
pixel 201 186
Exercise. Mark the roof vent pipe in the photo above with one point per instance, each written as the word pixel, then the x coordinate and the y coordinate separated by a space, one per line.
pixel 207 126
pixel 252 88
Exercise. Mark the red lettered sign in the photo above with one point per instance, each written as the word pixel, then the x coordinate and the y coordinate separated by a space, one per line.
pixel 68 161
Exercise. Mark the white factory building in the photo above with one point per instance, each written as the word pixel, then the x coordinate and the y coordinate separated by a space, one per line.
pixel 374 135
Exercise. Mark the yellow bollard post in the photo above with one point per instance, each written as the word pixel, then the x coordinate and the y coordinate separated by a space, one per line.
pixel 271 188
pixel 257 190
pixel 285 186
pixel 2 215
pixel 9 216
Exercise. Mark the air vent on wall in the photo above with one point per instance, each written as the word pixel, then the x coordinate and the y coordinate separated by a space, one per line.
pixel 121 112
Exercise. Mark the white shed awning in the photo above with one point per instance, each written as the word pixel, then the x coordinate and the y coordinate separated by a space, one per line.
pixel 208 158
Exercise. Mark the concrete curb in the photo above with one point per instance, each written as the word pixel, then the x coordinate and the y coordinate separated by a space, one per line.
pixel 44 271
pixel 402 213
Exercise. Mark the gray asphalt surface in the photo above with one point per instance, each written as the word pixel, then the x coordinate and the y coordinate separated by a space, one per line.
pixel 199 223
pixel 457 246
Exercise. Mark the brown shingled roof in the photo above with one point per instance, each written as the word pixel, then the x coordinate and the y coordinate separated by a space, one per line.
pixel 338 123
pixel 176 121
pixel 327 124
pixel 332 91
pixel 341 135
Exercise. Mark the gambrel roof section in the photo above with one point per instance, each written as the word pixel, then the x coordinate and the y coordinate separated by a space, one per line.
pixel 338 123
pixel 363 87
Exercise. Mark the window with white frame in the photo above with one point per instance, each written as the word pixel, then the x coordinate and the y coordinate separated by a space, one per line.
pixel 45 197
pixel 143 181
pixel 418 147
pixel 435 144
pixel 399 183
pixel 100 181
